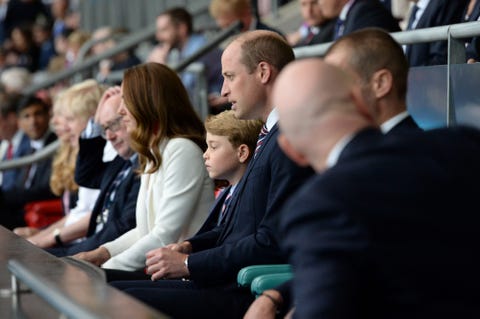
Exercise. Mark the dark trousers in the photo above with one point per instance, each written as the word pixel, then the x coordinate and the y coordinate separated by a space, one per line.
pixel 183 299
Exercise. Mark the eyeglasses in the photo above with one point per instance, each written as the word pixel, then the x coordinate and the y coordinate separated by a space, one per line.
pixel 113 126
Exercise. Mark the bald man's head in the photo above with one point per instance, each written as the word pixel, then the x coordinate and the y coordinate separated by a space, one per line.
pixel 306 90
pixel 318 104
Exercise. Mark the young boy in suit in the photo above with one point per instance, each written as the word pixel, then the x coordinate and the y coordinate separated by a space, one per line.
pixel 231 143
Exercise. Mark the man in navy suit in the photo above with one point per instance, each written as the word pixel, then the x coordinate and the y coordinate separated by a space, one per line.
pixel 111 216
pixel 315 28
pixel 33 183
pixel 381 232
pixel 380 68
pixel 470 14
pixel 354 15
pixel 211 259
pixel 226 12
pixel 427 14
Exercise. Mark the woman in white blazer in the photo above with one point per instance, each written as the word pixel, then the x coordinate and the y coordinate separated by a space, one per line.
pixel 176 192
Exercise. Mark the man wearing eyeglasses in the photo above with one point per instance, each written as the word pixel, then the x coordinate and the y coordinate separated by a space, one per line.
pixel 114 210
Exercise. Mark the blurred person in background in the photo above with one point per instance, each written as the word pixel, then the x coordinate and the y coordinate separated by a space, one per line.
pixel 72 109
pixel 34 181
pixel 176 42
pixel 14 143
pixel 315 28
pixel 107 38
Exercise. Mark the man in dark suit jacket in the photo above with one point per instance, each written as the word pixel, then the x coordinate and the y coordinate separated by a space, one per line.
pixel 433 13
pixel 227 12
pixel 15 144
pixel 359 14
pixel 315 28
pixel 401 254
pixel 248 236
pixel 470 14
pixel 33 183
pixel 380 68
pixel 111 217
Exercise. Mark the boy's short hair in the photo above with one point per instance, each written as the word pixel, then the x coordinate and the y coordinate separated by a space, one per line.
pixel 237 131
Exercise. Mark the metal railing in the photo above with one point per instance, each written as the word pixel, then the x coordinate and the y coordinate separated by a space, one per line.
pixel 127 43
pixel 454 34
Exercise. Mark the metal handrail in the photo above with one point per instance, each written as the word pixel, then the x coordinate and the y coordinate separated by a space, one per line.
pixel 451 33
pixel 45 152
pixel 44 289
pixel 87 46
pixel 127 43
pixel 458 31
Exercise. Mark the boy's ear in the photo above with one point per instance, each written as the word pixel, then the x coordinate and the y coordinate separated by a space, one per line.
pixel 291 152
pixel 243 153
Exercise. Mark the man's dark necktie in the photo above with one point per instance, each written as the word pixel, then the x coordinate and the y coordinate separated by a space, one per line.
pixel 110 195
pixel 261 138
pixel 413 13
pixel 9 154
pixel 339 28
pixel 226 204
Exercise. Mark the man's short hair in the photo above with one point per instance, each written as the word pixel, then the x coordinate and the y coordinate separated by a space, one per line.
pixel 266 46
pixel 372 49
pixel 219 8
pixel 29 100
pixel 180 16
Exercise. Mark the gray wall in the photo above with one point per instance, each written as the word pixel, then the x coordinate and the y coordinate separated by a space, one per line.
pixel 136 14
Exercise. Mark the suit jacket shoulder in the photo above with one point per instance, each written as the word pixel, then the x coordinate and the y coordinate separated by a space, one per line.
pixel 368 13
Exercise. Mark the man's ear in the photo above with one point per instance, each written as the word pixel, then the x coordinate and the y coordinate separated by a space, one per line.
pixel 265 72
pixel 243 153
pixel 382 82
pixel 291 152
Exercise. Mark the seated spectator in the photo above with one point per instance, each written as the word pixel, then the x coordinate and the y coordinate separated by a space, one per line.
pixel 59 11
pixel 472 13
pixel 352 15
pixel 106 38
pixel 359 252
pixel 264 8
pixel 114 210
pixel 21 12
pixel 175 192
pixel 73 107
pixel 379 72
pixel 427 14
pixel 74 42
pixel 42 36
pixel 33 183
pixel 176 42
pixel 226 12
pixel 231 143
pixel 15 79
pixel 378 65
pixel 315 28
pixel 22 50
pixel 14 143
